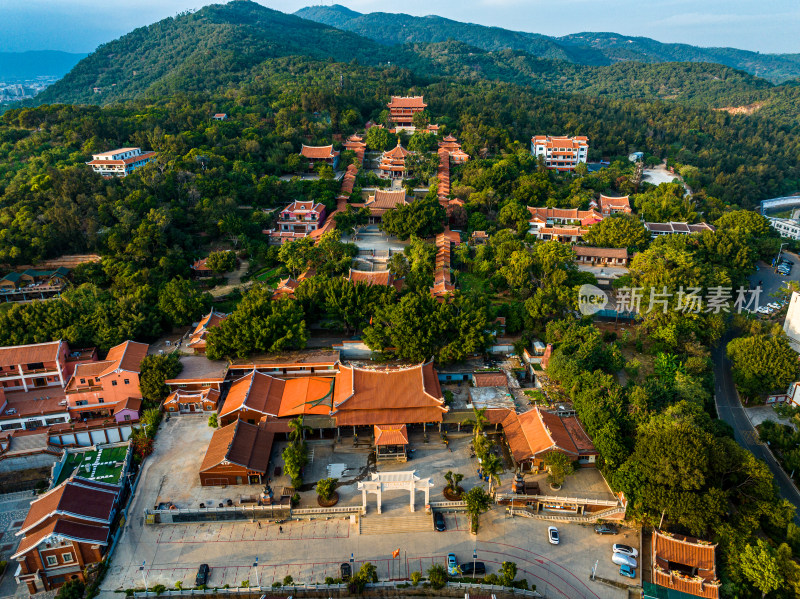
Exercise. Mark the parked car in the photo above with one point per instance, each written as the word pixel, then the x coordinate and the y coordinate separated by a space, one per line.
pixel 626 549
pixel 345 571
pixel 552 535
pixel 466 568
pixel 438 522
pixel 202 575
pixel 605 529
pixel 452 564
pixel 624 560
pixel 627 571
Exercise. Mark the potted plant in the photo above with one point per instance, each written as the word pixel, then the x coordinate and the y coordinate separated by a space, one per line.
pixel 453 490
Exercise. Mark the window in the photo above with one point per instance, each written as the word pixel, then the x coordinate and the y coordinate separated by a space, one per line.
pixel 128 416
pixel 36 366
pixel 81 402
pixel 113 383
pixel 66 557
pixel 52 560
pixel 127 381
pixel 83 381
pixel 100 400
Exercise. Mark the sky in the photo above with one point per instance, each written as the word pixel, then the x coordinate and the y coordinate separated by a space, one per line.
pixel 764 26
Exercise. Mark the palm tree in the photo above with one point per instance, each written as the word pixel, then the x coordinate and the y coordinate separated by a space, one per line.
pixel 297 429
pixel 453 479
pixel 492 467
pixel 477 423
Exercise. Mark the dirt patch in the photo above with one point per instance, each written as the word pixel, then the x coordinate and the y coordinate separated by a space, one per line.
pixel 746 109
pixel 23 480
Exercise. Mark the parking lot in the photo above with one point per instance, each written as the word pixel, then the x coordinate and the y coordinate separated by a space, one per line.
pixel 771 281
pixel 311 550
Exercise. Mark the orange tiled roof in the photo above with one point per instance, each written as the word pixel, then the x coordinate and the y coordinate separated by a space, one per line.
pixel 26 354
pixel 383 278
pixel 255 391
pixel 209 321
pixel 318 152
pixel 489 379
pixel 561 141
pixel 397 152
pixel 387 396
pixel 306 395
pixel 679 553
pixel 240 443
pixel 391 434
pixel 407 102
pixel 126 161
pixel 621 203
pixel 126 356
pixel 591 252
pixel 537 431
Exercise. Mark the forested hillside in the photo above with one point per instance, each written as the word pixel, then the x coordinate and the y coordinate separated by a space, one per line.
pixel 583 48
pixel 209 49
pixel 223 46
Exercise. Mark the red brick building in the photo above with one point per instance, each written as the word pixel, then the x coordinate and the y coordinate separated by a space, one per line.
pixel 26 367
pixel 66 529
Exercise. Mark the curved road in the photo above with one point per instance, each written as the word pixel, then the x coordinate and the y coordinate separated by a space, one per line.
pixel 730 409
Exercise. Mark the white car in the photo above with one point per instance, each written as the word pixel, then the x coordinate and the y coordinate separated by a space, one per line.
pixel 626 550
pixel 624 560
pixel 552 535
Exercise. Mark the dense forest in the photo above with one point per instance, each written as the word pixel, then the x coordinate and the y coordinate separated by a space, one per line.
pixel 222 46
pixel 587 48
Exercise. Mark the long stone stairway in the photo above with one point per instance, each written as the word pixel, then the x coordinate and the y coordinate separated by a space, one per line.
pixel 396 522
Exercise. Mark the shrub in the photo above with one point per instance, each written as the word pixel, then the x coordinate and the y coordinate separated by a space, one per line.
pixel 72 589
pixel 159 588
pixel 326 488
pixel 415 578
pixel 437 574
pixel 213 421
pixel 287 580
pixel 276 585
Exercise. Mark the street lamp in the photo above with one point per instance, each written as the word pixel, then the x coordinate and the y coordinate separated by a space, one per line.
pixel 144 574
pixel 474 560
pixel 255 565
pixel 594 568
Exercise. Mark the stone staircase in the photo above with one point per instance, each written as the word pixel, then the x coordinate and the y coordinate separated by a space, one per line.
pixel 381 524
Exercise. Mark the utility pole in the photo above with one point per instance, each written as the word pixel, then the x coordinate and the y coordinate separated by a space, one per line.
pixel 255 565
pixel 144 574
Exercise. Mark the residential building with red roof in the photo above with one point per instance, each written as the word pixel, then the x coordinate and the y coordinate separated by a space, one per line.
pixel 220 116
pixel 34 366
pixel 393 163
pixel 238 454
pixel 120 162
pixel 535 433
pixel 66 529
pixel 561 153
pixel 402 110
pixel 609 205
pixel 188 401
pixel 301 217
pixel 387 396
pixel 601 256
pixel 320 154
pixel 95 388
pixel 197 340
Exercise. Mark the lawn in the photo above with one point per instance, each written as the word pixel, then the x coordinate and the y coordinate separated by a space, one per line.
pixel 271 275
pixel 471 284
pixel 82 464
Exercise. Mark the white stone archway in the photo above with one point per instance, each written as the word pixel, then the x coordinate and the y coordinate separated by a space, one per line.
pixel 386 481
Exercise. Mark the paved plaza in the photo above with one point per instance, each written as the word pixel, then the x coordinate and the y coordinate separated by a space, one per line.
pixel 311 550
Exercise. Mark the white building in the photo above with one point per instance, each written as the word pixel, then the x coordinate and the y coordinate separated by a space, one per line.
pixel 561 153
pixel 791 325
pixel 120 162
pixel 786 227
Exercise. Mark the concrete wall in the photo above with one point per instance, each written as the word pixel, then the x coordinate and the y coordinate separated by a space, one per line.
pixel 28 462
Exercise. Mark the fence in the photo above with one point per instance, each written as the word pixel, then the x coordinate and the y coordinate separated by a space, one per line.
pixel 555 499
pixel 452 505
pixel 453 589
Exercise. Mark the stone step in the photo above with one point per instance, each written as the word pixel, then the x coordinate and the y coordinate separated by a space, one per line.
pixel 379 524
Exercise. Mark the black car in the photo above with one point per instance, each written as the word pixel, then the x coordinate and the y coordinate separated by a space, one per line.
pixel 438 522
pixel 605 529
pixel 345 571
pixel 202 575
pixel 466 568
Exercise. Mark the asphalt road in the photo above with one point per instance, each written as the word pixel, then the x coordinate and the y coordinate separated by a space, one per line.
pixel 730 409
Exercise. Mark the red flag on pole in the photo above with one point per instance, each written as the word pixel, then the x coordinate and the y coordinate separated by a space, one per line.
pixel 396 553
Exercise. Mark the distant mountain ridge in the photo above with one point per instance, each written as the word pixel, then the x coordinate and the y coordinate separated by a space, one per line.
pixel 22 66
pixel 587 48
